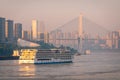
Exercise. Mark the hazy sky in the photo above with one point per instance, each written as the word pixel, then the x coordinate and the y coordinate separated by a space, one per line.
pixel 57 12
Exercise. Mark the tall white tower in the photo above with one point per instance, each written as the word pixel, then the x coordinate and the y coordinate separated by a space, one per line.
pixel 34 29
pixel 80 33
pixel 80 26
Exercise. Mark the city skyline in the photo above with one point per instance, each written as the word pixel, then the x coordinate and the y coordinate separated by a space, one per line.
pixel 55 13
pixel 37 32
pixel 111 40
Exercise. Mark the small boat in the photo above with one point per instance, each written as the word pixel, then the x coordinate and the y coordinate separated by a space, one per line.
pixel 87 52
pixel 78 54
pixel 45 56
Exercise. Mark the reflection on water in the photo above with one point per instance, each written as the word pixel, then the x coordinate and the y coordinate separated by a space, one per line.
pixel 27 70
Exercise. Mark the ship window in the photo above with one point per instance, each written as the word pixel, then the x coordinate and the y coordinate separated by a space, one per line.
pixel 57 51
pixel 43 59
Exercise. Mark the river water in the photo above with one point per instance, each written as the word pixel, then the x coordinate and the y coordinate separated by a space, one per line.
pixel 97 66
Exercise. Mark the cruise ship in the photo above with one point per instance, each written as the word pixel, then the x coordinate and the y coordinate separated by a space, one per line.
pixel 45 56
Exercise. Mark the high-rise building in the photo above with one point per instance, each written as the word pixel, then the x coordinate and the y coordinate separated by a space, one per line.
pixel 42 27
pixel 46 37
pixel 119 40
pixel 119 33
pixel 2 29
pixel 30 35
pixel 34 29
pixel 113 40
pixel 25 35
pixel 115 37
pixel 109 40
pixel 9 30
pixel 40 36
pixel 18 30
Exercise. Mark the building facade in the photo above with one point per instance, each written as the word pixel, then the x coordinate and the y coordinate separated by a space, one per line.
pixel 18 30
pixel 2 29
pixel 34 29
pixel 9 30
pixel 25 35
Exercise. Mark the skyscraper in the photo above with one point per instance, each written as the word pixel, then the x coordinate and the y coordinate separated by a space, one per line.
pixel 42 27
pixel 18 30
pixel 9 30
pixel 25 35
pixel 34 29
pixel 46 37
pixel 115 37
pixel 2 29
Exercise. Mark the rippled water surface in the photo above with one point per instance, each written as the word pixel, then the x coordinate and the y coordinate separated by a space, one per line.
pixel 97 66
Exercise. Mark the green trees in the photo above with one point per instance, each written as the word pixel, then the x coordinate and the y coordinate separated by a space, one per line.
pixel 6 49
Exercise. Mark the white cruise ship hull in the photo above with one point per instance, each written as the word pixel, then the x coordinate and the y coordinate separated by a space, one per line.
pixel 45 62
pixel 53 61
